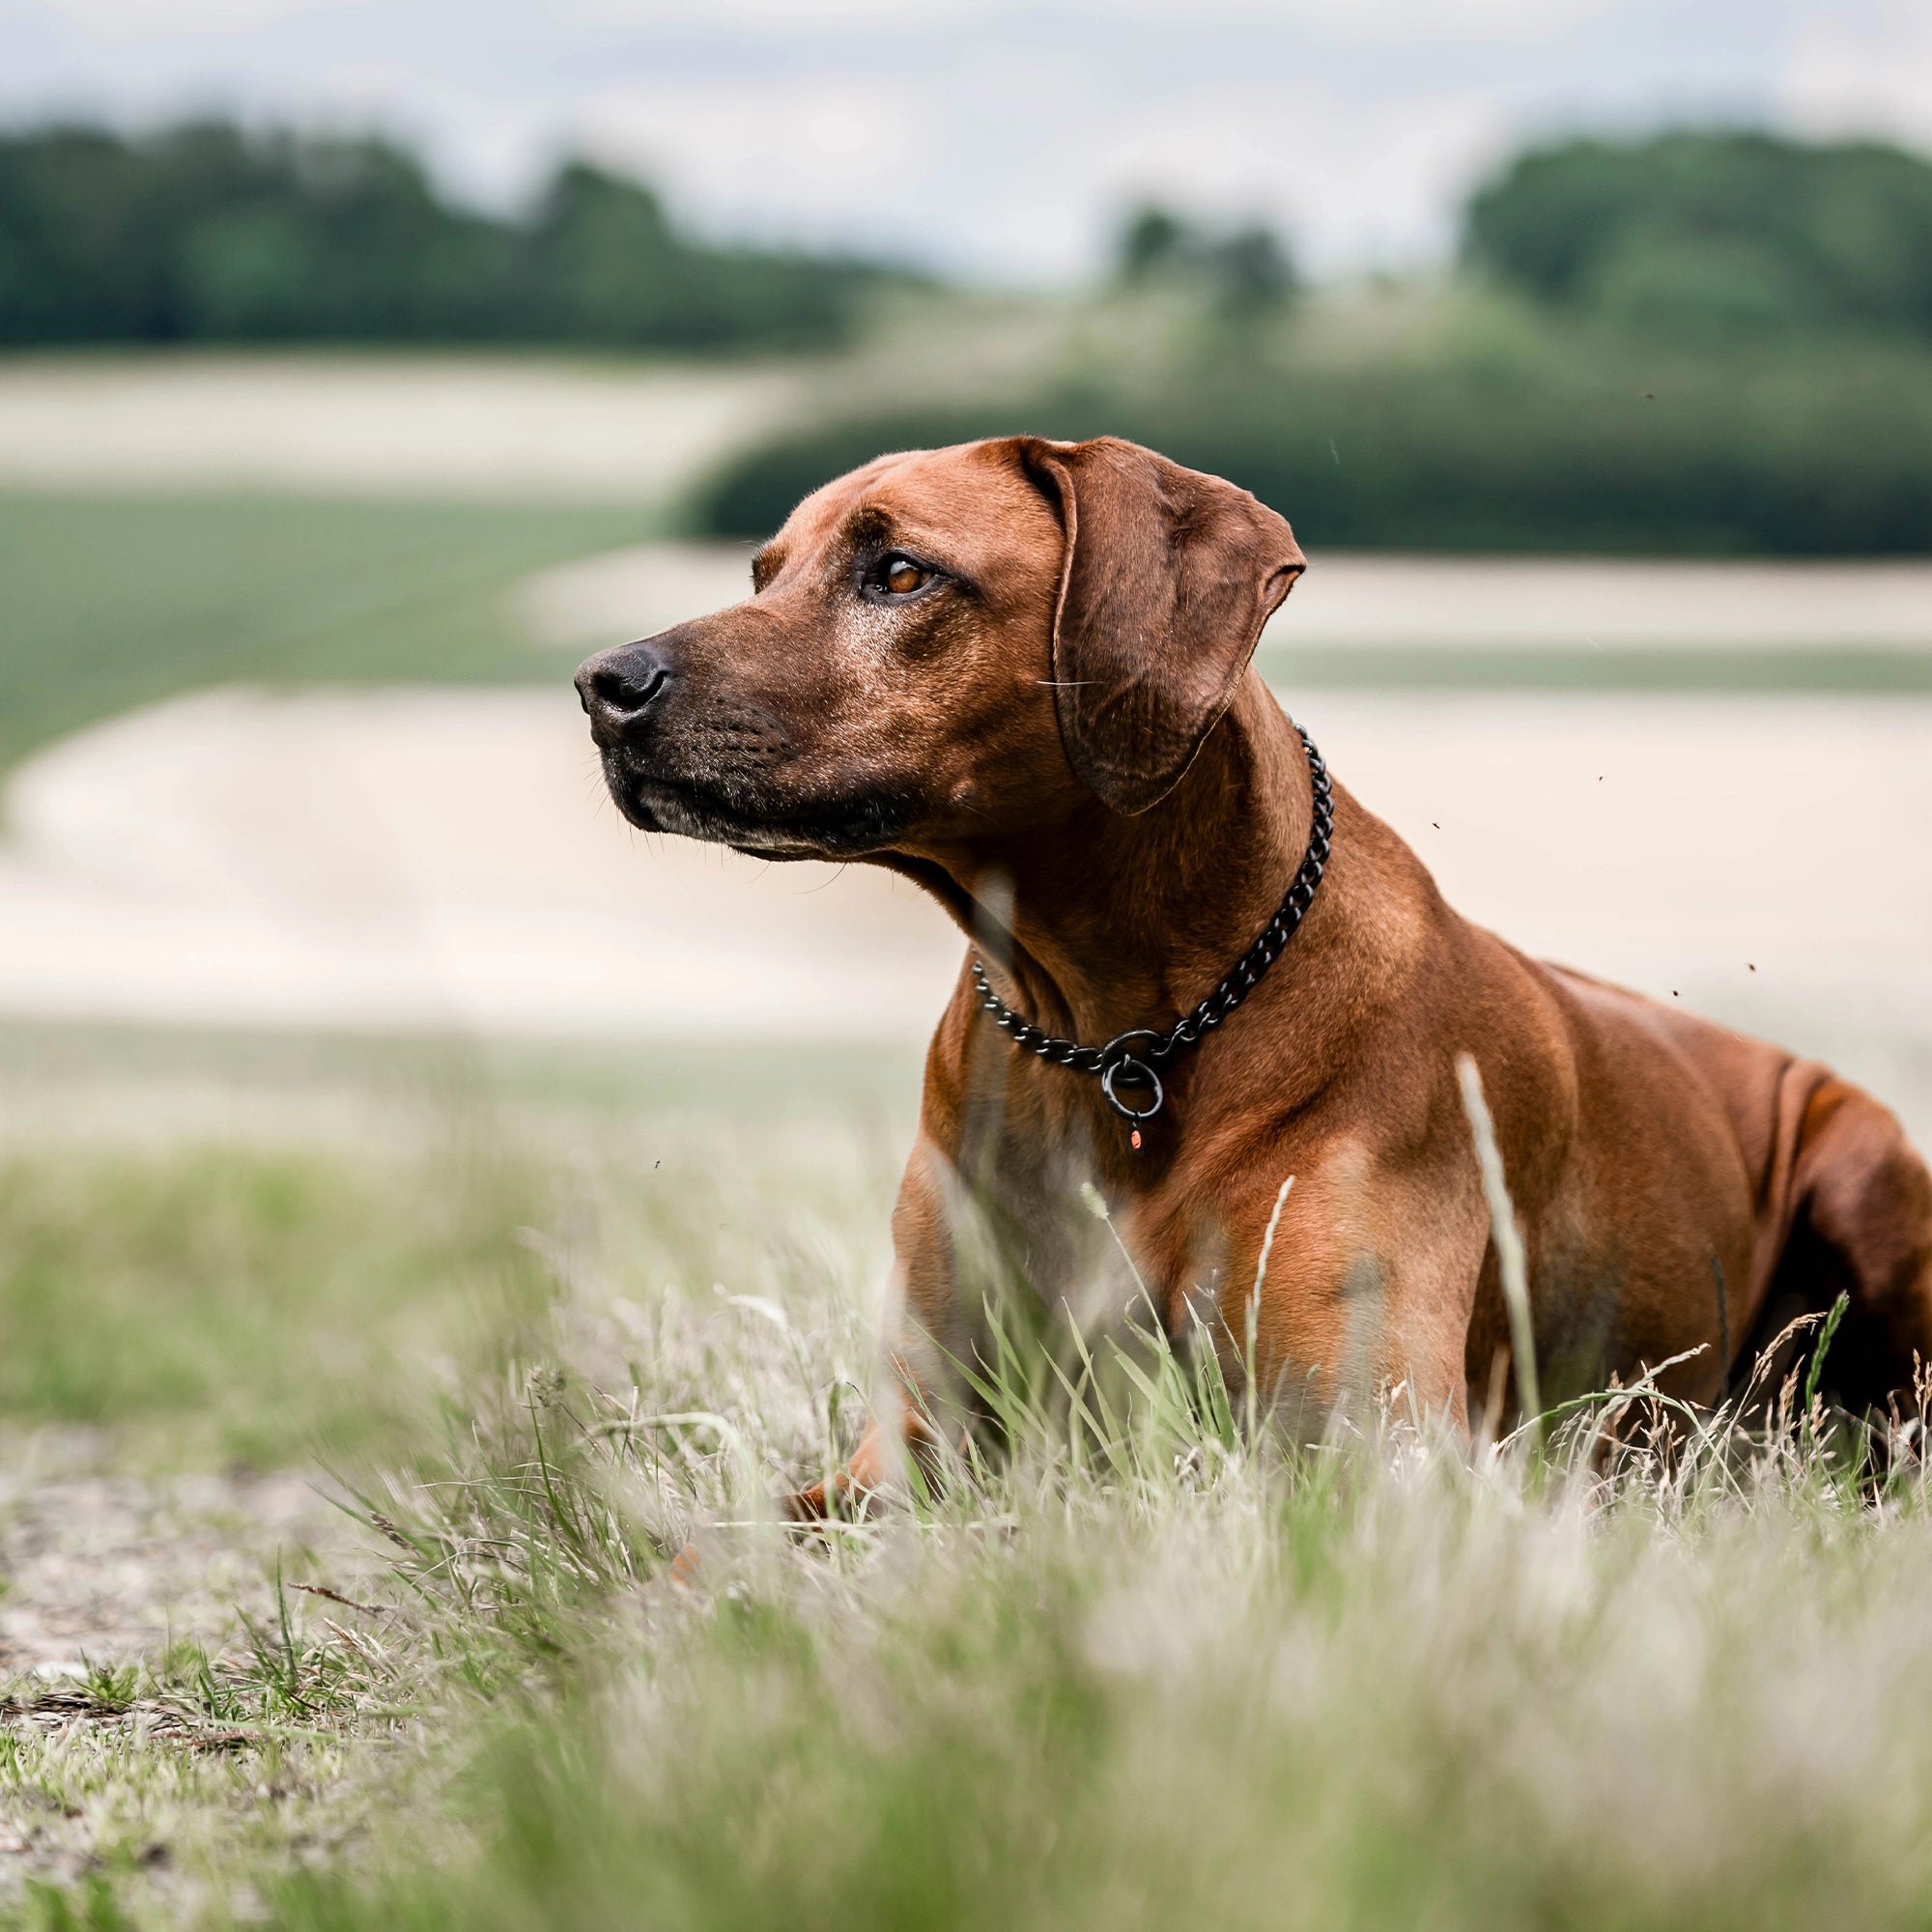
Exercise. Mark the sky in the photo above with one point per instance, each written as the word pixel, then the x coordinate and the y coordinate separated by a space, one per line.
pixel 989 138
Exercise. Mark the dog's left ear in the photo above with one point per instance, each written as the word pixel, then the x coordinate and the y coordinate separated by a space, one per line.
pixel 1167 580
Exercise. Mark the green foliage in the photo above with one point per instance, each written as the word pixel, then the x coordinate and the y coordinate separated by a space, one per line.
pixel 206 233
pixel 1717 234
pixel 1576 440
pixel 106 603
pixel 1725 349
pixel 1243 269
pixel 605 266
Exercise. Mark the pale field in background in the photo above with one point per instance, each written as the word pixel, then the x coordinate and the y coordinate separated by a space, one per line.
pixel 447 860
pixel 378 424
pixel 1353 599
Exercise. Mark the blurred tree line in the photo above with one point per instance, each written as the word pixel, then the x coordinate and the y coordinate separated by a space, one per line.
pixel 207 233
pixel 1714 235
pixel 1703 343
pixel 1243 269
pixel 1567 453
pixel 1700 342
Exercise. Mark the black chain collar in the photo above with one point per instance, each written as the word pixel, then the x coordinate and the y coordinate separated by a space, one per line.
pixel 1123 1063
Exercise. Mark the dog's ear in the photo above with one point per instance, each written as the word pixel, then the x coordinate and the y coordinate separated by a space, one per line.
pixel 1167 580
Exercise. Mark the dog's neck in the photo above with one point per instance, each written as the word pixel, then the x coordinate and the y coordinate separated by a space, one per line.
pixel 1115 923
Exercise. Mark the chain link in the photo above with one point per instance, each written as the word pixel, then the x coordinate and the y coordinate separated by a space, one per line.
pixel 1121 1063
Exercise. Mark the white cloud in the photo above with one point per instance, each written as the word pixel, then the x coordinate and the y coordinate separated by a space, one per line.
pixel 993 133
pixel 112 22
pixel 1863 66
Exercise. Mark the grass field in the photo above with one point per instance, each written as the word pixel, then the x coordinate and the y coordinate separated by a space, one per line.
pixel 106 603
pixel 1147 1672
pixel 526 1319
pixel 1684 670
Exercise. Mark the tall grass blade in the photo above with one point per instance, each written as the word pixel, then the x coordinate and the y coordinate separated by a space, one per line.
pixel 1252 1327
pixel 1508 1238
pixel 1816 1373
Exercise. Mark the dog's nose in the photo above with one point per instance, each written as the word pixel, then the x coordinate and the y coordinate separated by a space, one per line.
pixel 617 688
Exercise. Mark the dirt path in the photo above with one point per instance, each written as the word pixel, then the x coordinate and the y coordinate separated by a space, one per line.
pixel 98 1573
pixel 102 1568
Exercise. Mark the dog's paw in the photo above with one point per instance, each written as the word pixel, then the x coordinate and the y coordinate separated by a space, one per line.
pixel 804 1505
pixel 841 1500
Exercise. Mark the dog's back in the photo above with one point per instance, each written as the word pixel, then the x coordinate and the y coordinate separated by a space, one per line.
pixel 1836 1198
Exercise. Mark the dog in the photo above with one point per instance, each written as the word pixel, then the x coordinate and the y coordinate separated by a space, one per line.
pixel 1017 672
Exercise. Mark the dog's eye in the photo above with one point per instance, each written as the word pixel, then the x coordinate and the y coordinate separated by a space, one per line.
pixel 897 576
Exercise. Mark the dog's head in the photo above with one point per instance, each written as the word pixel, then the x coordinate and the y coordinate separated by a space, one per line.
pixel 949 644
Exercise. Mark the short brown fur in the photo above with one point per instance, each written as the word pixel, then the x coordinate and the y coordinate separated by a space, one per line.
pixel 1061 737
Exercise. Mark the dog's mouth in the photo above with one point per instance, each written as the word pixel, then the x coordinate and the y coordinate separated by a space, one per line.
pixel 723 812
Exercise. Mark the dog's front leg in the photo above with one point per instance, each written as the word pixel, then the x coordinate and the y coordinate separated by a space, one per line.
pixel 922 1325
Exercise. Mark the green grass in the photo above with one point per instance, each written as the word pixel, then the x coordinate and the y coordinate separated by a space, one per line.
pixel 1352 1694
pixel 221 1306
pixel 107 603
pixel 1844 669
pixel 1146 1670
pixel 238 1249
pixel 429 1078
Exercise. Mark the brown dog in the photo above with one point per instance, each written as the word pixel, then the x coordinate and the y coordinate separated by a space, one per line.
pixel 1017 671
